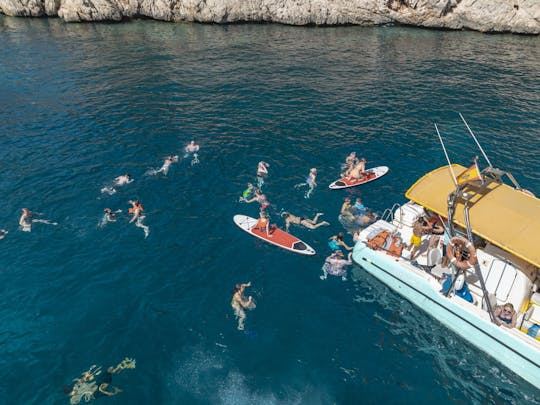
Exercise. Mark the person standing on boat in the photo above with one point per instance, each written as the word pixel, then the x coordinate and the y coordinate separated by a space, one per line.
pixel 505 315
pixel 419 228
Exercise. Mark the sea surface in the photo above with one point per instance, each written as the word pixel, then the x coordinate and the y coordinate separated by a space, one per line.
pixel 81 104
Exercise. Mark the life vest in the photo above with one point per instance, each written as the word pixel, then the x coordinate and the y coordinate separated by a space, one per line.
pixel 379 240
pixel 385 241
pixel 396 247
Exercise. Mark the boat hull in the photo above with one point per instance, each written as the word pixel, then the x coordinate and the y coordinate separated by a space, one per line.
pixel 518 353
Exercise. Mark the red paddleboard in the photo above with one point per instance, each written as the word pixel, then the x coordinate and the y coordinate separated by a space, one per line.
pixel 277 236
pixel 369 175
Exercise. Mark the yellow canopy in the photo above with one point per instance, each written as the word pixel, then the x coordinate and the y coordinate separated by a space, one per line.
pixel 500 214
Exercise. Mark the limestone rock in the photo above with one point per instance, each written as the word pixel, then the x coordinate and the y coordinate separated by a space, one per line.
pixel 519 16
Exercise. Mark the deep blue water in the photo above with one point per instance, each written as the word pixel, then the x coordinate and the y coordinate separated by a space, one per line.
pixel 82 103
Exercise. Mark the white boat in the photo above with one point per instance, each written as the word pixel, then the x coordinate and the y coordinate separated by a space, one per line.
pixel 503 222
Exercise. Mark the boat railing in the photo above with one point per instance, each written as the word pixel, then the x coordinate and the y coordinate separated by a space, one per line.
pixel 388 214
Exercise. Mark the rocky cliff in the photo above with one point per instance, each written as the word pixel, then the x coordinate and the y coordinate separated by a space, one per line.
pixel 517 16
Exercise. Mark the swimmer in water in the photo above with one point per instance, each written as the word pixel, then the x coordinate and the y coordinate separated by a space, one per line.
pixel 108 216
pixel 118 182
pixel 260 198
pixel 336 241
pixel 306 222
pixel 95 383
pixel 363 217
pixel 240 303
pixel 335 265
pixel 169 160
pixel 192 149
pixel 26 220
pixel 262 172
pixel 3 233
pixel 137 212
pixel 310 182
pixel 248 192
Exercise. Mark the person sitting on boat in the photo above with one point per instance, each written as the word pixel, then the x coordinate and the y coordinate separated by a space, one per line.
pixel 335 265
pixel 263 223
pixel 505 315
pixel 239 303
pixel 306 222
pixel 260 198
pixel 357 172
pixel 335 242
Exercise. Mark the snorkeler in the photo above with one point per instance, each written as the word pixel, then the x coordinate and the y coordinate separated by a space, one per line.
pixel 262 172
pixel 137 210
pixel 306 222
pixel 335 265
pixel 239 303
pixel 118 182
pixel 3 233
pixel 95 383
pixel 247 193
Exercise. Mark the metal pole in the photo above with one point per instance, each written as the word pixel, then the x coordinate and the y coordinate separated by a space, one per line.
pixel 477 269
pixel 446 154
pixel 476 140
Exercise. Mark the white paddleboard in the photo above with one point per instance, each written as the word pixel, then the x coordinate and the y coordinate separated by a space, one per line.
pixel 277 236
pixel 370 174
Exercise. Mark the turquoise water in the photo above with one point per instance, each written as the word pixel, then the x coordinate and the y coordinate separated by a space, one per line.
pixel 81 104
